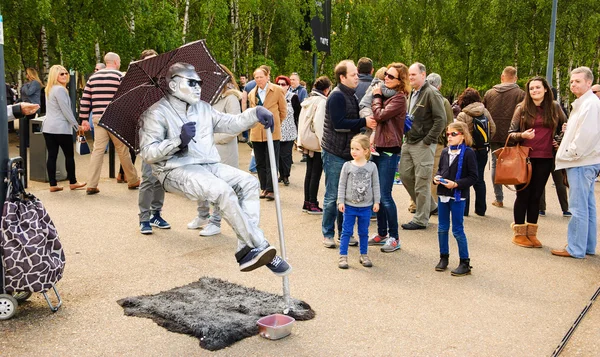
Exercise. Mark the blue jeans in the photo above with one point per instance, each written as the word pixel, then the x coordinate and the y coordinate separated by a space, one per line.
pixel 458 230
pixel 332 166
pixel 387 217
pixel 363 216
pixel 581 233
pixel 252 165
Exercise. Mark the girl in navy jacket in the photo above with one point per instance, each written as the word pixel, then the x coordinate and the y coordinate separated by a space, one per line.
pixel 457 172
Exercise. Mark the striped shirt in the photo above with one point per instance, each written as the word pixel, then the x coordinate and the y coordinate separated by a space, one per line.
pixel 99 92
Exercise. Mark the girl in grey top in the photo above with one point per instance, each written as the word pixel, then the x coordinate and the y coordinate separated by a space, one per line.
pixel 358 194
pixel 58 127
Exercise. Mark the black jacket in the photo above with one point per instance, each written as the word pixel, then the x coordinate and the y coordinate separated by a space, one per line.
pixel 342 122
pixel 468 176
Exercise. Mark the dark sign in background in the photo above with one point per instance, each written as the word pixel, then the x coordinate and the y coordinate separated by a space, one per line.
pixel 321 25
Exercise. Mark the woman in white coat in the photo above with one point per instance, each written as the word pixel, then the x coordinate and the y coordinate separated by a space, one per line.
pixel 310 133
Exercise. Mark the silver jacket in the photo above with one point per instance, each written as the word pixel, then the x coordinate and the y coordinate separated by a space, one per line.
pixel 161 126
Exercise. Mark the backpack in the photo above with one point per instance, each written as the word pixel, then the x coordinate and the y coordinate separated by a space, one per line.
pixel 481 132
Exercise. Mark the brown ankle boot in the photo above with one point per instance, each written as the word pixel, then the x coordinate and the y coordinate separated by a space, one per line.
pixel 532 235
pixel 520 235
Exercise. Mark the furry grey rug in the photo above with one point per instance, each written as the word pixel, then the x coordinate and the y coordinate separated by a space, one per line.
pixel 217 312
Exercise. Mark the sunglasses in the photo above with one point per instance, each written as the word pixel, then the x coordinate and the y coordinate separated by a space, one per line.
pixel 283 84
pixel 63 74
pixel 389 76
pixel 454 133
pixel 192 82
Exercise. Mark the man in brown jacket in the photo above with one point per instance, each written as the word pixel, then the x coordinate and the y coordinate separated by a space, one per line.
pixel 501 101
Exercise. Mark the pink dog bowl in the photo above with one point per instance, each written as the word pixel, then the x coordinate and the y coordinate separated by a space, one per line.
pixel 275 326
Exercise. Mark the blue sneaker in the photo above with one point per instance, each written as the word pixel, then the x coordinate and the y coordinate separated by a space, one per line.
pixel 256 258
pixel 567 214
pixel 279 266
pixel 145 227
pixel 159 222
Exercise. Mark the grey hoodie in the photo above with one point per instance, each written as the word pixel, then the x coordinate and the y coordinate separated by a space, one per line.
pixel 367 100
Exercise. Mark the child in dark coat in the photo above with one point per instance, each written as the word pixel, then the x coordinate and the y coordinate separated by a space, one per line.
pixel 456 174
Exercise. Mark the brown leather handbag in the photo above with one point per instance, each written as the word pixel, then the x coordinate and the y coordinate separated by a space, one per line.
pixel 512 165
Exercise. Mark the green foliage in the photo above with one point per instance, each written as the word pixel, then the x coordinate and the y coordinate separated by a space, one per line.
pixel 462 40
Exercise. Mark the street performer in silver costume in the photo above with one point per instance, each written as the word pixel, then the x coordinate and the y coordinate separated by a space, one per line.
pixel 176 139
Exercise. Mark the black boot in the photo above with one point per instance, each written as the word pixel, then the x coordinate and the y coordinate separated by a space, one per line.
pixel 463 268
pixel 443 264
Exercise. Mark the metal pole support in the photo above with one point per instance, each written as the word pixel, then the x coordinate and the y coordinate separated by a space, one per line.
pixel 286 281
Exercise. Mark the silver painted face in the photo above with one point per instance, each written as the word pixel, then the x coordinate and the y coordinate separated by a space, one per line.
pixel 186 87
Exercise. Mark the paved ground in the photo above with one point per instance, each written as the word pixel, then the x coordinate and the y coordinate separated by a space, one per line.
pixel 518 302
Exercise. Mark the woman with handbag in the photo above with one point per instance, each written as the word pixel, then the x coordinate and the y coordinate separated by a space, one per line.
pixel 389 113
pixel 58 127
pixel 535 122
pixel 310 133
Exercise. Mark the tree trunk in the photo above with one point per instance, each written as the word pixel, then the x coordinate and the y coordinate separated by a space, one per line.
pixel 235 43
pixel 185 20
pixel 597 59
pixel 558 96
pixel 132 24
pixel 97 50
pixel 269 32
pixel 516 58
pixel 45 59
pixel 59 48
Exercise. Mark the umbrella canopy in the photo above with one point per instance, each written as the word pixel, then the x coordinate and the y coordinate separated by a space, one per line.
pixel 144 84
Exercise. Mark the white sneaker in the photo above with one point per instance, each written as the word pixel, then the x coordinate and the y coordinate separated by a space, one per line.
pixel 210 230
pixel 197 223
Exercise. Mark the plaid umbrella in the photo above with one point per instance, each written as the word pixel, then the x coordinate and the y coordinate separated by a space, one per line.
pixel 144 84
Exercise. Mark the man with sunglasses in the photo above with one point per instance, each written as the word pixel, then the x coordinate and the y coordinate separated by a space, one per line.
pixel 596 90
pixel 177 140
pixel 426 108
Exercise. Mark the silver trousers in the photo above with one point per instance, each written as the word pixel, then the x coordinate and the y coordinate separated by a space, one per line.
pixel 233 191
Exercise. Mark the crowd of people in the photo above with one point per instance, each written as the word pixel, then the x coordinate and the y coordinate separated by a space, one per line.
pixel 362 134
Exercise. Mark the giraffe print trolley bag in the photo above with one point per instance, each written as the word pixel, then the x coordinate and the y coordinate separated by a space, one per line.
pixel 32 256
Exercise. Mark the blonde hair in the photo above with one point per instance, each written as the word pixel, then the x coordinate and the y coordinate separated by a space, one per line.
pixel 33 73
pixel 464 130
pixel 53 77
pixel 381 73
pixel 364 142
pixel 232 82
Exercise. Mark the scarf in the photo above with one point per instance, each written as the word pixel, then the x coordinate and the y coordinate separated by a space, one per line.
pixel 461 156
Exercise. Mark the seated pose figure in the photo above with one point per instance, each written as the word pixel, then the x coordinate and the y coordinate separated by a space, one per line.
pixel 176 139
